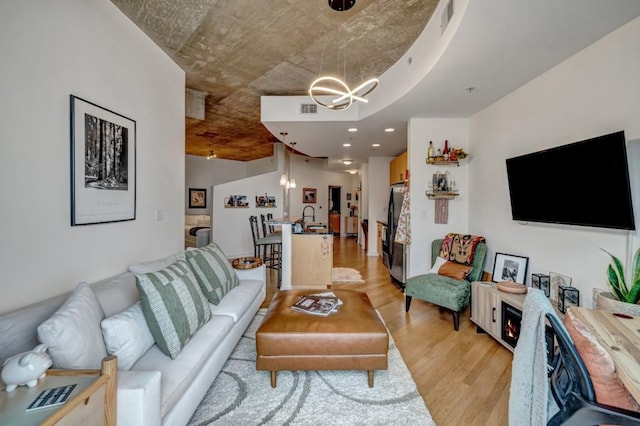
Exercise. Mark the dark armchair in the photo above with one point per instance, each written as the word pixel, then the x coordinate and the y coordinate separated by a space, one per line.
pixel 453 294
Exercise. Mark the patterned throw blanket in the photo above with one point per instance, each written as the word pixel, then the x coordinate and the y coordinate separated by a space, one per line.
pixel 459 248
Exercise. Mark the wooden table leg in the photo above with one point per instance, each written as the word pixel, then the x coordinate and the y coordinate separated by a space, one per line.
pixel 370 377
pixel 273 378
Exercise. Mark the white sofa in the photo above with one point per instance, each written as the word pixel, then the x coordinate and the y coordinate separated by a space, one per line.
pixel 157 389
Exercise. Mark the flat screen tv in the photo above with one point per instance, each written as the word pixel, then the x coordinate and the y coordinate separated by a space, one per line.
pixel 584 183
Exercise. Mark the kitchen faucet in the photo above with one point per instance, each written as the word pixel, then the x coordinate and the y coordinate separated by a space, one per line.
pixel 304 215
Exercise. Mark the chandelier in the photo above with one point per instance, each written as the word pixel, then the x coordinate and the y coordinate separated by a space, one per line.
pixel 345 97
pixel 331 86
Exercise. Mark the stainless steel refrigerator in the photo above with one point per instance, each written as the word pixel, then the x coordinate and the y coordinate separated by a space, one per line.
pixel 394 255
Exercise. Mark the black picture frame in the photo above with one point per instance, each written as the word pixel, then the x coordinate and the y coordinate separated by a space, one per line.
pixel 542 282
pixel 567 296
pixel 509 267
pixel 197 198
pixel 103 164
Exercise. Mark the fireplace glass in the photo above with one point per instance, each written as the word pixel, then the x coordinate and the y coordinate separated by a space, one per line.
pixel 511 325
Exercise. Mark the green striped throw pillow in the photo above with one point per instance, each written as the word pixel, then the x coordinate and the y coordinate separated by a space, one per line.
pixel 213 271
pixel 173 306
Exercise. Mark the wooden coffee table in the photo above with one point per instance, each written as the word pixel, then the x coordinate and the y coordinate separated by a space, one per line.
pixel 354 338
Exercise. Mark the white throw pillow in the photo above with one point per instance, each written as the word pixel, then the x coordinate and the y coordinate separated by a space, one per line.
pixel 436 266
pixel 155 265
pixel 127 336
pixel 72 334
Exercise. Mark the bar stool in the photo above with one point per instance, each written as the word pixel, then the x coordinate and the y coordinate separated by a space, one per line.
pixel 269 246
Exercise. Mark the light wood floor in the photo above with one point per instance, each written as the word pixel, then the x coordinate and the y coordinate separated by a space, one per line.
pixel 463 376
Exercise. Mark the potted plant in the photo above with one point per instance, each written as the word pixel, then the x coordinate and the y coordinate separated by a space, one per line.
pixel 624 296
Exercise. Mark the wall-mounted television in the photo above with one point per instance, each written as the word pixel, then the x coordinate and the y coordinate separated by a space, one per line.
pixel 583 183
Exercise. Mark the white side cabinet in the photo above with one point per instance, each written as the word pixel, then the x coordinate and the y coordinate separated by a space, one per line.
pixel 487 310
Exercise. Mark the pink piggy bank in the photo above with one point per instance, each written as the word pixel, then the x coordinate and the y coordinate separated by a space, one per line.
pixel 26 368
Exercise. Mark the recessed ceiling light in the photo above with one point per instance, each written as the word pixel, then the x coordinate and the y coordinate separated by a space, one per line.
pixel 346 144
pixel 375 145
pixel 353 129
pixel 347 162
pixel 353 172
pixel 389 129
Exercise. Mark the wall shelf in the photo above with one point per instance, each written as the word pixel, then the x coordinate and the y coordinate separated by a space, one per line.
pixel 447 195
pixel 437 162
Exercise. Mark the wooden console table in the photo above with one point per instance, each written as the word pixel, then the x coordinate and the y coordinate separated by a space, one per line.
pixel 95 394
pixel 620 337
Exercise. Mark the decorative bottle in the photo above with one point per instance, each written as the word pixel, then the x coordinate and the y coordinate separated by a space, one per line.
pixel 445 151
pixel 430 152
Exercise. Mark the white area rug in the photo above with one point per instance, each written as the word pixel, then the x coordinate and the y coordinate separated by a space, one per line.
pixel 240 395
pixel 346 275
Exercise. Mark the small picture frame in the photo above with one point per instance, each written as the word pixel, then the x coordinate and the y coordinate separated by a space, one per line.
pixel 567 296
pixel 541 281
pixel 439 182
pixel 197 198
pixel 509 267
pixel 348 196
pixel 556 281
pixel 267 201
pixel 236 201
pixel 309 195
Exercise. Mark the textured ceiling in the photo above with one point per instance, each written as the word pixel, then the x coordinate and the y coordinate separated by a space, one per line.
pixel 238 50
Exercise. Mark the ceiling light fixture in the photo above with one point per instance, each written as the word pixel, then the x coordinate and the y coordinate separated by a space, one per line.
pixel 375 145
pixel 283 177
pixel 353 172
pixel 346 145
pixel 341 5
pixel 347 162
pixel 352 129
pixel 389 129
pixel 333 86
pixel 292 181
pixel 211 155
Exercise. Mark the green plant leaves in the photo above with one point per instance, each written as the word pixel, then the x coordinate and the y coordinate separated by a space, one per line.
pixel 616 280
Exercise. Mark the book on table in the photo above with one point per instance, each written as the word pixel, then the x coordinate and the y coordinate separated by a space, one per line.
pixel 317 304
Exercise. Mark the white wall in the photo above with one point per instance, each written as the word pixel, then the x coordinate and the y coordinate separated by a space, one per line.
pixel 593 93
pixel 203 173
pixel 235 236
pixel 90 49
pixel 313 177
pixel 423 228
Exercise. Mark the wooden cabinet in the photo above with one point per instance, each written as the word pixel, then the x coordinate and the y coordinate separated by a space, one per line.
pixel 351 225
pixel 398 169
pixel 484 308
pixel 334 223
pixel 93 401
pixel 311 260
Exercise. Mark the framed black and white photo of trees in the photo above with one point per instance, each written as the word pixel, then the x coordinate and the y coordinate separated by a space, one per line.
pixel 103 164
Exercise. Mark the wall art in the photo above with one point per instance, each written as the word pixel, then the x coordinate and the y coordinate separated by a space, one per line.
pixel 103 164
pixel 197 198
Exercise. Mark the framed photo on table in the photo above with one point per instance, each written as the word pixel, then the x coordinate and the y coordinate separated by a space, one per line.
pixel 103 164
pixel 509 267
pixel 557 281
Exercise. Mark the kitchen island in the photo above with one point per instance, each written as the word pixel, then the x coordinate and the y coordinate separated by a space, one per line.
pixel 307 257
pixel 311 260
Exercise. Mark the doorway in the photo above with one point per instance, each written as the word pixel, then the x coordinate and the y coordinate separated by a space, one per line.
pixel 335 198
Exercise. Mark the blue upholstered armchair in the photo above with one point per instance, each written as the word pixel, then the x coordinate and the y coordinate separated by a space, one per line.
pixel 453 294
